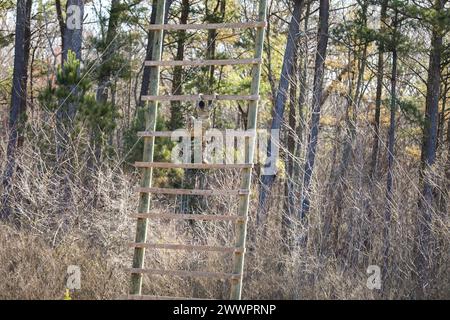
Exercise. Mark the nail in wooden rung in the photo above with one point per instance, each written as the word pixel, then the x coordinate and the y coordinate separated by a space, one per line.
pixel 185 247
pixel 185 273
pixel 207 26
pixel 201 217
pixel 196 97
pixel 200 63
pixel 169 165
pixel 197 192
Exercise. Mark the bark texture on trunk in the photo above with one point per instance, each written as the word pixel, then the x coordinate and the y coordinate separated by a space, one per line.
pixel 319 70
pixel 18 100
pixel 428 158
pixel 281 97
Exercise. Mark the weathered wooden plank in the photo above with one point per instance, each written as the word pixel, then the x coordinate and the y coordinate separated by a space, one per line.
pixel 179 133
pixel 246 174
pixel 201 63
pixel 185 273
pixel 184 247
pixel 203 166
pixel 207 26
pixel 197 192
pixel 146 181
pixel 161 134
pixel 199 217
pixel 196 97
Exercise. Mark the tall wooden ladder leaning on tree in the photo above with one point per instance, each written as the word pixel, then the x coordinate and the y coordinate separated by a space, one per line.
pixel 144 214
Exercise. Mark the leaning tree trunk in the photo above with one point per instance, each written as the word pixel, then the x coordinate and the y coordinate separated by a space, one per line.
pixel 18 95
pixel 313 137
pixel 280 102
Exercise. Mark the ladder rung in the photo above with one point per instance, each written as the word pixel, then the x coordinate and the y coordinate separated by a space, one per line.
pixel 198 192
pixel 147 297
pixel 169 165
pixel 207 26
pixel 196 97
pixel 180 133
pixel 204 217
pixel 224 62
pixel 186 273
pixel 163 134
pixel 185 247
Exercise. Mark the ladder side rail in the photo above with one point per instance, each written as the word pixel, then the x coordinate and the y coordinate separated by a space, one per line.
pixel 146 182
pixel 241 226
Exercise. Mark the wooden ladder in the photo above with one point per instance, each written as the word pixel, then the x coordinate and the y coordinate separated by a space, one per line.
pixel 144 214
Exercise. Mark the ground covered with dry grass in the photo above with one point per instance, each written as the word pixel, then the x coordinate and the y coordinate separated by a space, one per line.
pixel 91 228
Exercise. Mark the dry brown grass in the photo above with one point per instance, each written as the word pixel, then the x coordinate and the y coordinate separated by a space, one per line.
pixel 92 232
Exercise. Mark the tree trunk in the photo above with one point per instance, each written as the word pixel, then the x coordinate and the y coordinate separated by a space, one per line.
pixel 290 142
pixel 177 120
pixel 208 85
pixel 373 164
pixel 73 33
pixel 319 70
pixel 447 174
pixel 441 127
pixel 379 92
pixel 104 77
pixel 280 102
pixel 176 112
pixel 61 22
pixel 428 157
pixel 338 185
pixel 391 150
pixel 301 98
pixel 23 104
pixel 72 41
pixel 105 73
pixel 444 194
pixel 18 95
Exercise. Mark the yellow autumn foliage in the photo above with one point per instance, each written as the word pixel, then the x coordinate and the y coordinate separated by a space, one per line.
pixel 413 152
